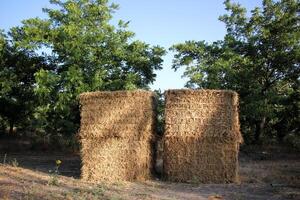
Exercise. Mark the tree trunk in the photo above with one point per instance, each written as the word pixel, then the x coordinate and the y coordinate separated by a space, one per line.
pixel 260 125
pixel 11 128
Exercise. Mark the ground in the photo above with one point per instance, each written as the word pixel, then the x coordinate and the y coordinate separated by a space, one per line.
pixel 265 174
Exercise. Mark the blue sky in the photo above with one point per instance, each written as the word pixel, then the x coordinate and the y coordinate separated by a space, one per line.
pixel 158 22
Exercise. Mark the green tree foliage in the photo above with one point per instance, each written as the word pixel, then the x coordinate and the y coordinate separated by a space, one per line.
pixel 88 53
pixel 259 58
pixel 17 69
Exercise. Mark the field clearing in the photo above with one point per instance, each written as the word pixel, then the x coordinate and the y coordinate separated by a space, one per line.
pixel 264 175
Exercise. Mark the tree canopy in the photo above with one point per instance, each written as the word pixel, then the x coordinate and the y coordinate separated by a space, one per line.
pixel 259 58
pixel 46 63
pixel 84 52
pixel 16 82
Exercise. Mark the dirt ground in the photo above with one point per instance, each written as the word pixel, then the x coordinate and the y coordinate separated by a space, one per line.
pixel 265 174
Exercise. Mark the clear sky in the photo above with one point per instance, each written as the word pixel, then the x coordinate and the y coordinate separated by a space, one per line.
pixel 158 22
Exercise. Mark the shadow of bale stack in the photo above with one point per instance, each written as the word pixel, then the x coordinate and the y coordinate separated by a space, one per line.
pixel 117 135
pixel 202 136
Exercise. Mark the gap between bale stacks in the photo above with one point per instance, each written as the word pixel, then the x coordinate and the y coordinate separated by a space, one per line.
pixel 202 136
pixel 117 135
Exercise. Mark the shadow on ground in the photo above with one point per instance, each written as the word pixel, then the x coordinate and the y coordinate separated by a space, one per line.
pixel 263 176
pixel 44 161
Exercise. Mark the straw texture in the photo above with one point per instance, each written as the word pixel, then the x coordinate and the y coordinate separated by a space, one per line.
pixel 202 136
pixel 117 134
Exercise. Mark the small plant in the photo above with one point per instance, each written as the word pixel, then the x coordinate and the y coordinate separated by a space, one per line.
pixel 57 162
pixel 14 163
pixel 54 174
pixel 53 180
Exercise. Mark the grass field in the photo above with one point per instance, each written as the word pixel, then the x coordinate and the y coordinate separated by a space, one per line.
pixel 265 174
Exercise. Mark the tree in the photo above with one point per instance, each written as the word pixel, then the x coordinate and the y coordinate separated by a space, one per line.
pixel 258 58
pixel 17 69
pixel 89 54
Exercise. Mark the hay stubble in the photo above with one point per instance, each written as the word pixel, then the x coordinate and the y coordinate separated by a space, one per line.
pixel 202 136
pixel 117 134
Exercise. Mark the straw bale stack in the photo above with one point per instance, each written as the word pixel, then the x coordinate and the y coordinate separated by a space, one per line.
pixel 202 136
pixel 117 133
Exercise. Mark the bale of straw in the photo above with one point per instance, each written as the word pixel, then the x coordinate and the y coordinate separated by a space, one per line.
pixel 117 134
pixel 202 136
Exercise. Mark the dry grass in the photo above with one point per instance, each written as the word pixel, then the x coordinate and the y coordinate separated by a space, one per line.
pixel 19 183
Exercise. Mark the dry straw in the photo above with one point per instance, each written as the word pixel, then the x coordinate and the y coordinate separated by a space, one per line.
pixel 202 136
pixel 117 135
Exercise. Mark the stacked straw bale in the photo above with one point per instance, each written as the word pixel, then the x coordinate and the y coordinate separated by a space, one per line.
pixel 117 133
pixel 202 136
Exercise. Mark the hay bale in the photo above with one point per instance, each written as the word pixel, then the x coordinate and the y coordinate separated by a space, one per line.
pixel 202 136
pixel 117 133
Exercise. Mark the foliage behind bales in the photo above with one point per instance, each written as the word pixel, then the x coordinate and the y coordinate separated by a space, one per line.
pixel 46 63
pixel 17 99
pixel 83 52
pixel 259 58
